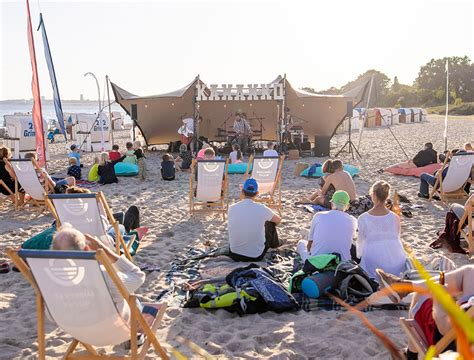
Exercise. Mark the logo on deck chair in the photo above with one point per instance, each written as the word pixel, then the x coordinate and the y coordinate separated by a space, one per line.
pixel 265 164
pixel 210 167
pixel 76 207
pixel 65 272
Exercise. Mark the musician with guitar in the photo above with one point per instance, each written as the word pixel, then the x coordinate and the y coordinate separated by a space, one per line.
pixel 243 132
pixel 186 131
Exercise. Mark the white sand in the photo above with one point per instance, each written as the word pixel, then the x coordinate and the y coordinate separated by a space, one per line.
pixel 164 208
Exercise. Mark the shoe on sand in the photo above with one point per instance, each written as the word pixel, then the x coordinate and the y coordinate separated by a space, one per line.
pixel 387 280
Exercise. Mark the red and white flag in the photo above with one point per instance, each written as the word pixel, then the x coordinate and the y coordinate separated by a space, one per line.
pixel 36 112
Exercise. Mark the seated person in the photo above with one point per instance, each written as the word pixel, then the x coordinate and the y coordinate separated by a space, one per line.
pixel 75 153
pixel 130 156
pixel 168 171
pixel 270 150
pixel 331 231
pixel 236 155
pixel 378 242
pixel 68 238
pixel 337 179
pixel 115 153
pixel 426 180
pixel 7 175
pixel 424 157
pixel 44 177
pixel 468 147
pixel 430 315
pixel 200 154
pixel 106 169
pixel 185 158
pixel 251 226
pixel 74 170
pixel 94 171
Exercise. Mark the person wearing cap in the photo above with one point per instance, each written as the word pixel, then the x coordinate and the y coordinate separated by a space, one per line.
pixel 251 226
pixel 75 153
pixel 331 231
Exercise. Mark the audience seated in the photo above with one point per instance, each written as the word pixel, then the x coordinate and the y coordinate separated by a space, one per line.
pixel 106 169
pixel 331 231
pixel 236 155
pixel 185 158
pixel 74 170
pixel 200 154
pixel 75 153
pixel 94 170
pixel 251 226
pixel 378 242
pixel 68 238
pixel 270 149
pixel 430 315
pixel 115 153
pixel 43 176
pixel 8 176
pixel 130 156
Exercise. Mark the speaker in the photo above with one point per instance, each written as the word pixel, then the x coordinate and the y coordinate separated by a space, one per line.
pixel 322 146
pixel 349 109
pixel 134 112
pixel 306 146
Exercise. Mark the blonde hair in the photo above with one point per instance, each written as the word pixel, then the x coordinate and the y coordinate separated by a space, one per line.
pixel 209 153
pixel 103 158
pixel 96 160
pixel 77 190
pixel 381 190
pixel 468 146
pixel 72 161
pixel 137 144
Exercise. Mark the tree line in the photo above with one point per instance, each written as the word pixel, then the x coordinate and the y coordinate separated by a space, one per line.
pixel 428 89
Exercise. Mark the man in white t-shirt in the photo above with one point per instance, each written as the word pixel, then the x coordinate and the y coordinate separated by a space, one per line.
pixel 331 231
pixel 270 150
pixel 251 226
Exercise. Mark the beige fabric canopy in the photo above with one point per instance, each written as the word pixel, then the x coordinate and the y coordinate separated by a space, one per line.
pixel 160 116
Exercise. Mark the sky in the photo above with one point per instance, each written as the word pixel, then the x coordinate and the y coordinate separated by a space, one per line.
pixel 151 47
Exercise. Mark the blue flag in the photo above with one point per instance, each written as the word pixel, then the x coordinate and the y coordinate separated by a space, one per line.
pixel 49 60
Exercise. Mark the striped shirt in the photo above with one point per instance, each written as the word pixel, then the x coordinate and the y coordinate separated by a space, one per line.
pixel 242 127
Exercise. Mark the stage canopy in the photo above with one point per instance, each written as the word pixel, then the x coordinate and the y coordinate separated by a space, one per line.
pixel 160 116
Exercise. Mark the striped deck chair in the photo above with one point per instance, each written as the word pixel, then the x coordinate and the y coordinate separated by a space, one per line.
pixel 465 223
pixel 76 292
pixel 210 193
pixel 88 213
pixel 459 173
pixel 26 175
pixel 418 340
pixel 267 172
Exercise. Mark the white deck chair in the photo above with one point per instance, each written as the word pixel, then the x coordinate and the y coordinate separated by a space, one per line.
pixel 458 174
pixel 210 194
pixel 26 175
pixel 466 223
pixel 267 172
pixel 73 287
pixel 88 213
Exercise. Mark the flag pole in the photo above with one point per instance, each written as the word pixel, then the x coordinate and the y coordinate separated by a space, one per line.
pixel 112 121
pixel 447 106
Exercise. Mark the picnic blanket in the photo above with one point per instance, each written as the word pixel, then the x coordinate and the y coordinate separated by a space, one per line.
pixel 416 171
pixel 87 184
pixel 316 171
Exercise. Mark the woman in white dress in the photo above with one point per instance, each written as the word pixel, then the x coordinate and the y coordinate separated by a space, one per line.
pixel 378 242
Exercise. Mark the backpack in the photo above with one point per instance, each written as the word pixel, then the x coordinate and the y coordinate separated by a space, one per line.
pixel 352 283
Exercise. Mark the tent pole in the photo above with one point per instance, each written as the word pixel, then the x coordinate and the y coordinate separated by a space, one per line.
pixel 282 113
pixel 195 119
pixel 107 80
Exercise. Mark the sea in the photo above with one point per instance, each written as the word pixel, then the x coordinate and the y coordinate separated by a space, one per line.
pixel 10 107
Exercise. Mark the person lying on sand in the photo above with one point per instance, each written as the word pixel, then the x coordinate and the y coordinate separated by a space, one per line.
pixel 430 316
pixel 424 157
pixel 335 181
pixel 251 226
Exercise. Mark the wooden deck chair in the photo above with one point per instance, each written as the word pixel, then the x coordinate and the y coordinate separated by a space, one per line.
pixel 458 174
pixel 89 214
pixel 211 192
pixel 26 176
pixel 7 197
pixel 77 295
pixel 267 172
pixel 417 338
pixel 466 230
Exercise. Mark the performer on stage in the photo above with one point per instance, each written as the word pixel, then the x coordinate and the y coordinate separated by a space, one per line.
pixel 243 132
pixel 186 131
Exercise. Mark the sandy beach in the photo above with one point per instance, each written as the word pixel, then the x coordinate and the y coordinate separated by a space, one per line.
pixel 164 209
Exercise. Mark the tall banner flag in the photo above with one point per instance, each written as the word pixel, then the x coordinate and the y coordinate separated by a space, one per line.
pixel 52 75
pixel 447 103
pixel 36 112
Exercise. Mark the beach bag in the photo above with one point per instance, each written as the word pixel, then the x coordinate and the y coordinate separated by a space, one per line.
pixel 317 285
pixel 312 265
pixel 131 219
pixel 125 169
pixel 272 292
pixel 352 283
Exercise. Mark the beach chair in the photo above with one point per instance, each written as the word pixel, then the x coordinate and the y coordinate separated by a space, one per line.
pixel 89 214
pixel 6 197
pixel 417 338
pixel 77 295
pixel 458 174
pixel 467 229
pixel 26 175
pixel 211 193
pixel 267 172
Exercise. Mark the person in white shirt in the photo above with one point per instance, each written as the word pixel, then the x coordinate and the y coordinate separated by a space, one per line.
pixel 378 242
pixel 236 155
pixel 270 150
pixel 331 231
pixel 251 226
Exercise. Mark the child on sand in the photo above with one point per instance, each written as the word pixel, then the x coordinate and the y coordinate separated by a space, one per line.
pixel 74 170
pixel 130 156
pixel 94 171
pixel 75 153
pixel 185 158
pixel 168 170
pixel 270 150
pixel 106 170
pixel 45 179
pixel 142 171
pixel 115 153
pixel 236 155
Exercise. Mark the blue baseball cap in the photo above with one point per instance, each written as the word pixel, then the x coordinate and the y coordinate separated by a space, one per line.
pixel 250 186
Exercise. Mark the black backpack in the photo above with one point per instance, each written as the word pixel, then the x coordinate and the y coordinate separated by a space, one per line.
pixel 352 283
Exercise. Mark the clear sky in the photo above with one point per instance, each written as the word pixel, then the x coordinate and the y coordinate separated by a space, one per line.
pixel 149 47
